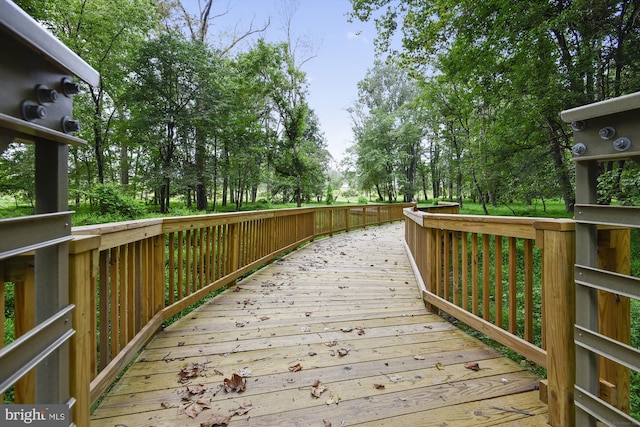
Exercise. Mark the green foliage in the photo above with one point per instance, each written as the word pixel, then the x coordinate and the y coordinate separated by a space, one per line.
pixel 621 184
pixel 362 200
pixel 329 198
pixel 110 202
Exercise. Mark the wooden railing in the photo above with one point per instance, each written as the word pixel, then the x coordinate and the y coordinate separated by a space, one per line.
pixel 513 280
pixel 127 278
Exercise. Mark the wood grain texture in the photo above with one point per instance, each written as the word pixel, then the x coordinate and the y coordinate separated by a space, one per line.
pixel 354 291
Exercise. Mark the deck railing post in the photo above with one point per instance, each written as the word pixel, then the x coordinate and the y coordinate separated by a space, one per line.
pixel 82 271
pixel 557 240
pixel 614 316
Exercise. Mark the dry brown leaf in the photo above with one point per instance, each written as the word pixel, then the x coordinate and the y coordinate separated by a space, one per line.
pixel 317 388
pixel 196 389
pixel 472 365
pixel 180 343
pixel 378 386
pixel 236 383
pixel 216 420
pixel 343 352
pixel 326 423
pixel 295 368
pixel 193 407
pixel 242 409
pixel 191 371
pixel 165 405
pixel 440 366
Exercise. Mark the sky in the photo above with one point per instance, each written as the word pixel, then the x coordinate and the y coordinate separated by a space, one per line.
pixel 343 52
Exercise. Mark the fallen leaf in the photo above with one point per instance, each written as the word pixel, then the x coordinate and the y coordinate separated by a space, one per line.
pixel 326 423
pixel 216 420
pixel 191 371
pixel 360 330
pixel 312 353
pixel 378 386
pixel 165 405
pixel 317 388
pixel 295 368
pixel 440 366
pixel 236 383
pixel 242 409
pixel 263 318
pixel 472 365
pixel 240 324
pixel 331 344
pixel 418 357
pixel 193 407
pixel 343 352
pixel 180 343
pixel 196 389
pixel 334 399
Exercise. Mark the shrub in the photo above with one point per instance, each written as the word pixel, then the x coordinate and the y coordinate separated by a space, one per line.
pixel 363 200
pixel 109 200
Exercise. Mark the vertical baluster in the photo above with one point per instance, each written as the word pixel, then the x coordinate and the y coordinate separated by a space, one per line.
pixel 172 268
pixel 474 273
pixel 465 271
pixel 456 268
pixel 498 280
pixel 447 263
pixel 486 288
pixel 113 301
pixel 513 291
pixel 180 269
pixel 528 290
pixel 122 298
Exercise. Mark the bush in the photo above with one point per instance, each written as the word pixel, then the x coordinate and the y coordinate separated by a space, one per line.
pixel 110 201
pixel 329 197
pixel 363 200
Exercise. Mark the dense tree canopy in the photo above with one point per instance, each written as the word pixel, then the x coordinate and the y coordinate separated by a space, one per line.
pixel 495 75
pixel 176 115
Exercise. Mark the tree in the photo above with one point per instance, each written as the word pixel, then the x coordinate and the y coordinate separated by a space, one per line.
pixel 518 65
pixel 388 132
pixel 166 85
pixel 103 33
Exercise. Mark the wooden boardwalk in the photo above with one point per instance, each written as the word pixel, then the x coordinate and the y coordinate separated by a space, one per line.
pixel 344 314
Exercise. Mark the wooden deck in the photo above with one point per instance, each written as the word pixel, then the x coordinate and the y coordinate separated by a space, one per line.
pixel 344 311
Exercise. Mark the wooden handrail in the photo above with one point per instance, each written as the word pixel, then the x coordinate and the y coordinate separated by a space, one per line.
pixel 475 267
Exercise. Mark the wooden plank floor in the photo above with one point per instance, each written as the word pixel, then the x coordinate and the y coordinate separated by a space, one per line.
pixel 354 293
